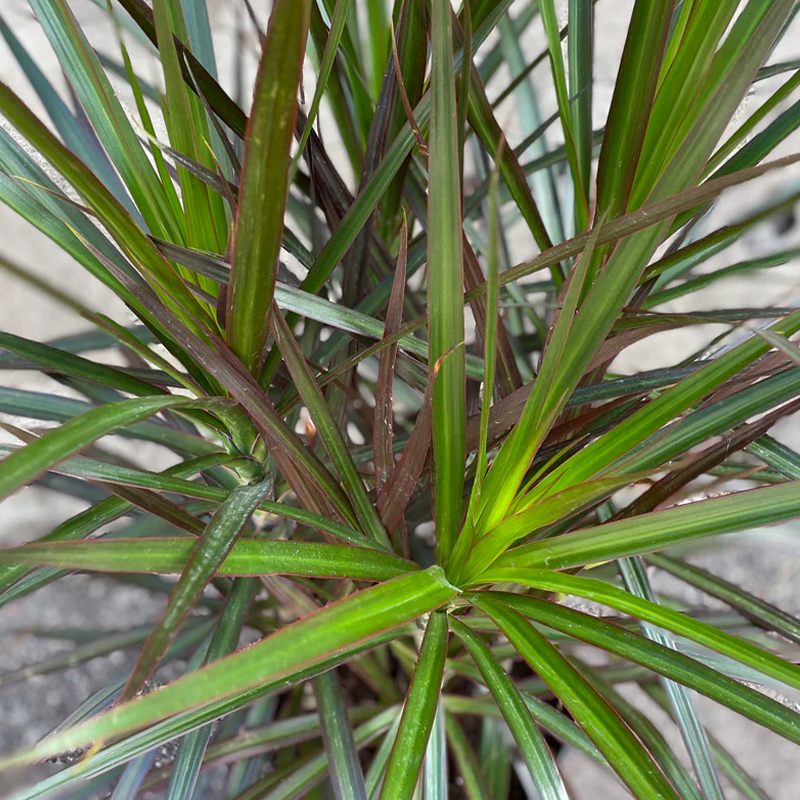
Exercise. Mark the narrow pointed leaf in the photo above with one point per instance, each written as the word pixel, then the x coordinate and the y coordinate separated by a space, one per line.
pixel 445 284
pixel 107 114
pixel 317 642
pixel 189 134
pixel 224 107
pixel 548 11
pixel 262 197
pixel 22 466
pixel 612 737
pixel 781 343
pixel 661 529
pixel 475 786
pixel 759 707
pixel 529 739
pixel 435 767
pixel 397 492
pixel 551 390
pixel 247 557
pixel 383 425
pixel 754 608
pixel 206 556
pixel 326 64
pixel 422 701
pixel 131 239
pixel 631 104
pixel 694 736
pixel 537 518
pixel 329 432
pixel 580 51
pixel 76 366
pixel 174 481
pixel 343 766
pixel 192 750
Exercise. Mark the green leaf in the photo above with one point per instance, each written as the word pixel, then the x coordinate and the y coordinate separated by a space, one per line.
pixel 259 220
pixel 694 736
pixel 486 127
pixel 612 737
pixel 536 518
pixel 95 517
pixel 671 664
pixel 419 712
pixel 412 53
pixel 338 94
pixel 732 70
pixel 82 142
pixel 131 239
pixel 50 358
pixel 746 128
pixel 649 611
pixel 737 776
pixel 650 736
pixel 316 642
pixel 550 392
pixel 132 777
pixel 246 557
pixel 173 481
pixel 305 304
pixel 329 432
pixel 656 531
pixel 108 118
pixel 35 405
pixel 298 464
pixel 107 642
pixel 701 281
pixel 188 133
pixel 530 741
pixel 223 106
pixel 494 758
pixel 24 465
pixel 198 29
pixel 326 64
pixel 445 285
pixel 435 767
pixel 580 47
pixel 192 750
pixel 343 765
pixel 631 105
pixel 286 732
pixel 377 769
pixel 635 221
pixel 675 401
pixel 548 11
pixel 754 608
pixel 490 337
pixel 534 145
pixel 777 455
pixel 298 783
pixel 678 93
pixel 35 197
pixel 781 343
pixel 199 567
pixel 474 783
pixel 371 193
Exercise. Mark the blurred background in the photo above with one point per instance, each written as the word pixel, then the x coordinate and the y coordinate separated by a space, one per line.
pixel 764 562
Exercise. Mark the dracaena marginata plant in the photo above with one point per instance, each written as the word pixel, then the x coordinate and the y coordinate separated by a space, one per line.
pixel 394 506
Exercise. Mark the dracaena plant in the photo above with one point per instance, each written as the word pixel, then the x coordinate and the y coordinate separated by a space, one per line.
pixel 301 347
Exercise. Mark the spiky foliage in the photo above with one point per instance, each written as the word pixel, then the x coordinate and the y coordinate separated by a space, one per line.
pixel 317 542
